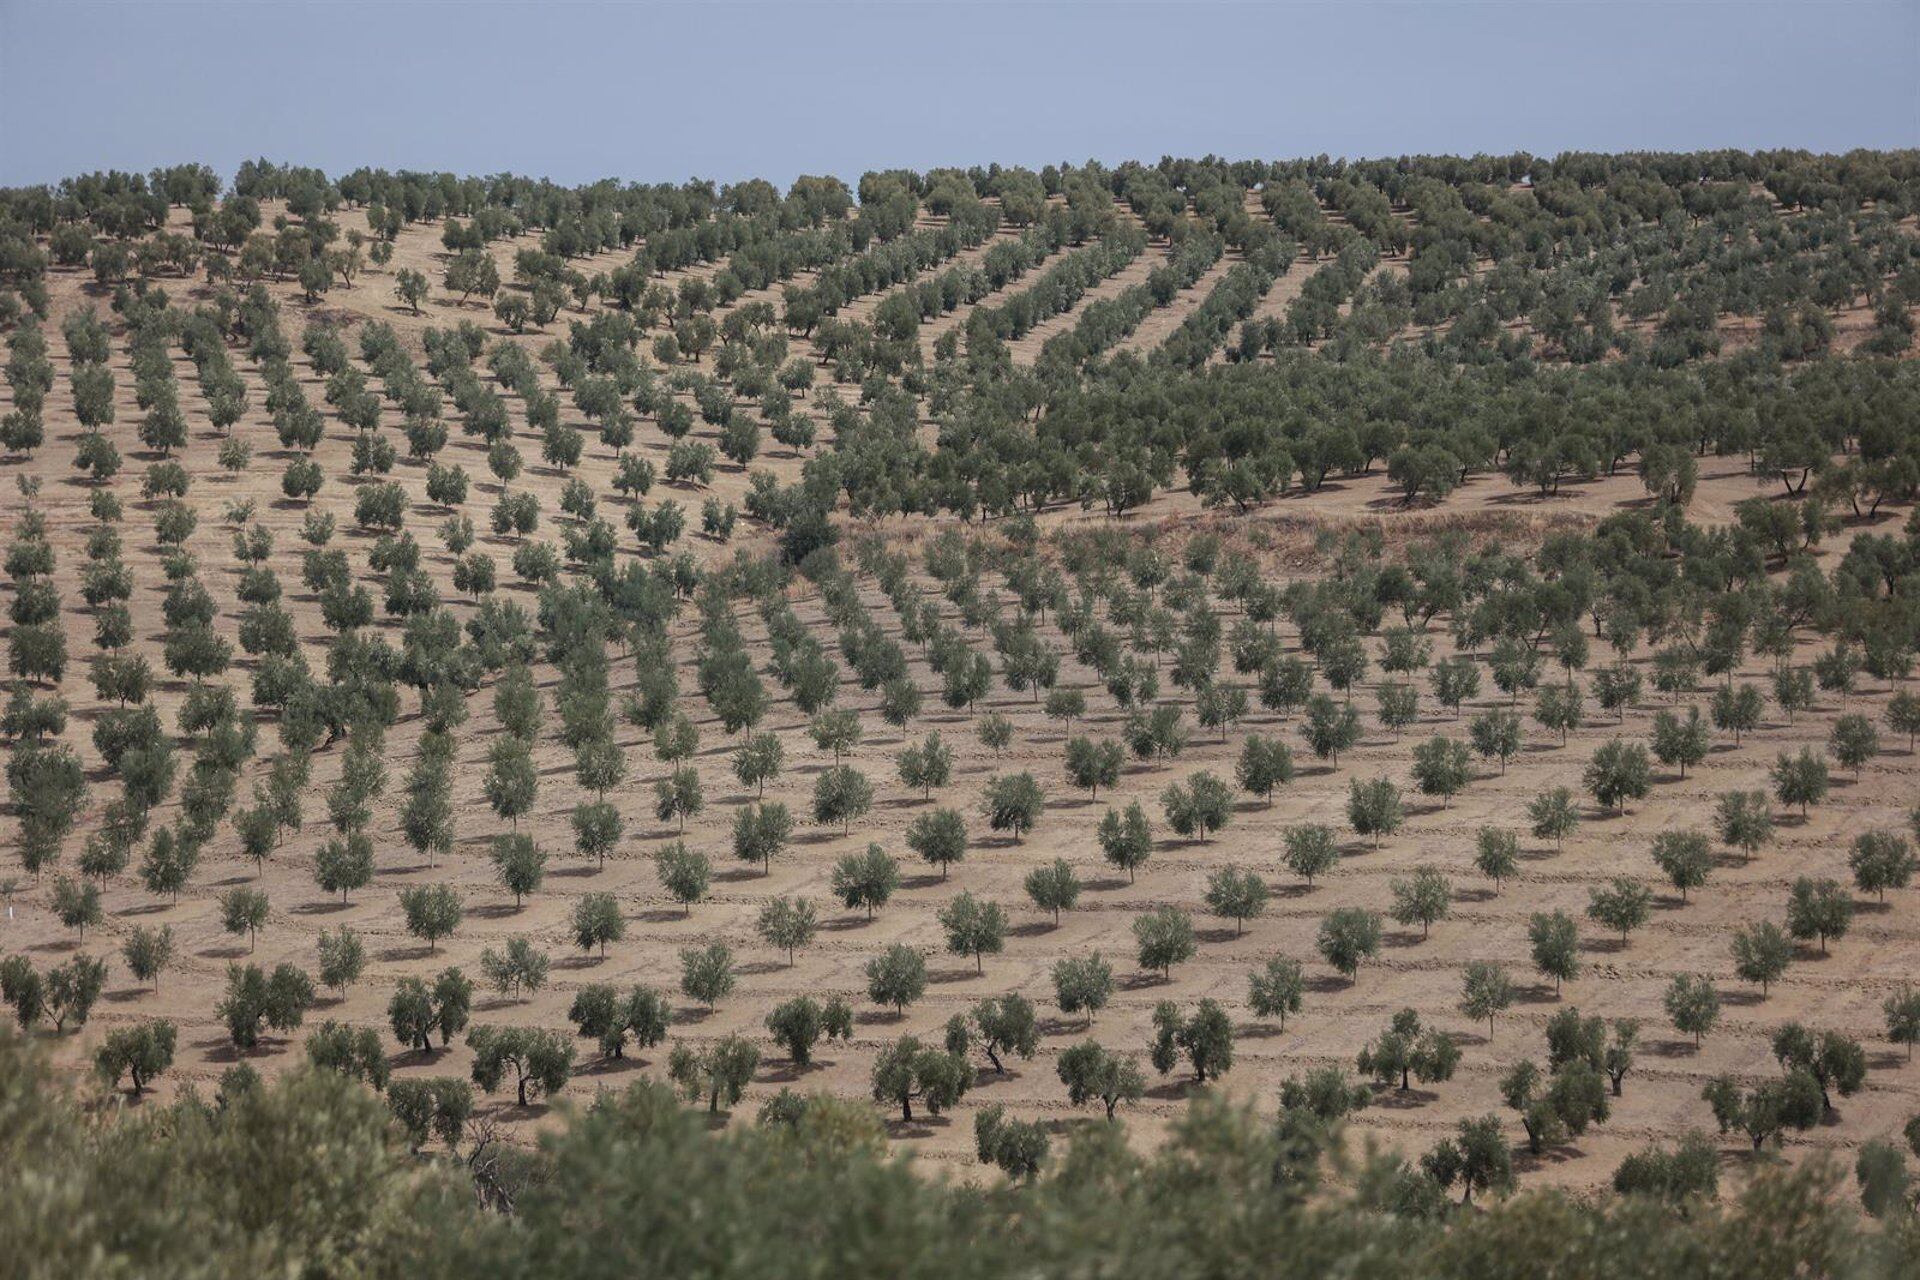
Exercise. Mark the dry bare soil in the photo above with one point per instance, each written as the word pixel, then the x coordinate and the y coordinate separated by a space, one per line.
pixel 1841 990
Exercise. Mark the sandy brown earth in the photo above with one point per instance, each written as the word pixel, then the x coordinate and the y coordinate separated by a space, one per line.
pixel 1280 295
pixel 937 327
pixel 1161 322
pixel 1840 991
pixel 862 308
pixel 1026 348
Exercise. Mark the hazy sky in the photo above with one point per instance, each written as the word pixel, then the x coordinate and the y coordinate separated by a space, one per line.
pixel 657 91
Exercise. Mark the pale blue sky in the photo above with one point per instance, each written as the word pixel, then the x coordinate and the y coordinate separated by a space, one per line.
pixel 654 91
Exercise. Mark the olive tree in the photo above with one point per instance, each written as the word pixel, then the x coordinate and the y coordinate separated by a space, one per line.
pixel 1486 991
pixel 719 1073
pixel 974 927
pixel 797 1025
pixel 1082 984
pixel 866 879
pixel 1236 894
pixel 787 924
pixel 1761 954
pixel 1693 1005
pixel 1276 991
pixel 1164 936
pixel 1555 942
pixel 1205 1039
pixel 897 977
pixel 1093 1073
pixel 1422 899
pixel 1349 936
pixel 1407 1049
